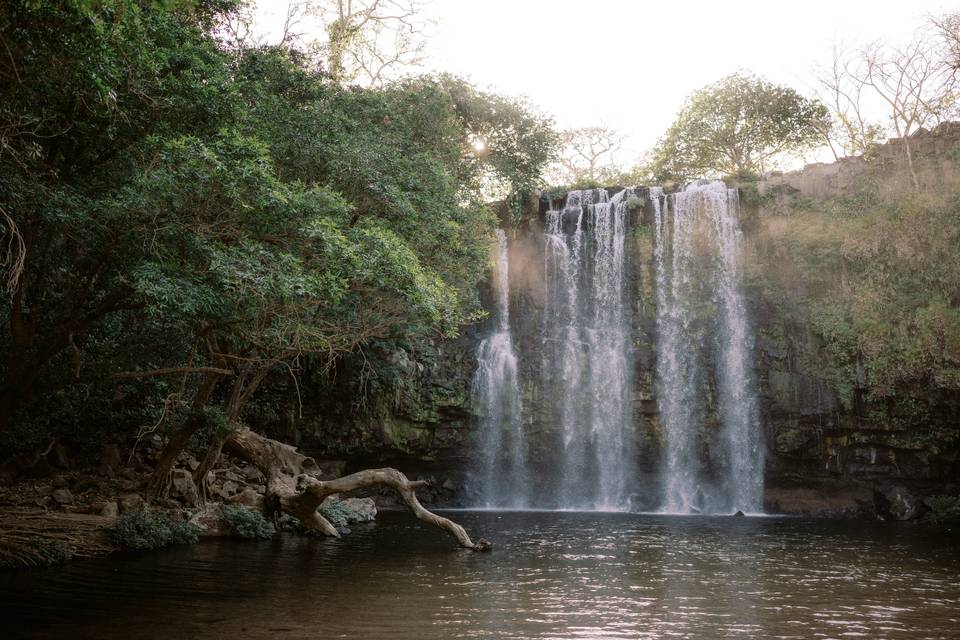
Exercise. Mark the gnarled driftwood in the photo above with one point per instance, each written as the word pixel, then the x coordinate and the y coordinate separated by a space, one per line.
pixel 293 486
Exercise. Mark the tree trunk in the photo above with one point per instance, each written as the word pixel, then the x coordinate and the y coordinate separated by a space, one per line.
pixel 206 466
pixel 158 486
pixel 292 485
pixel 159 483
pixel 913 171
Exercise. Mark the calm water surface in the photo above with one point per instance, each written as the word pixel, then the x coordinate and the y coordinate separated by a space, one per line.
pixel 551 575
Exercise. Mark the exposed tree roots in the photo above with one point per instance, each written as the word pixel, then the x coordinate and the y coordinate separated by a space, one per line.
pixel 293 486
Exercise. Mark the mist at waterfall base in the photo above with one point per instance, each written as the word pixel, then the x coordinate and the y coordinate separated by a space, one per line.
pixel 586 364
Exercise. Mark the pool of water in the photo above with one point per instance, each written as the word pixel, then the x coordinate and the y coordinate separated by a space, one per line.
pixel 550 575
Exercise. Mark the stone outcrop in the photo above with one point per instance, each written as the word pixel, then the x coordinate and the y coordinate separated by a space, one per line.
pixel 884 166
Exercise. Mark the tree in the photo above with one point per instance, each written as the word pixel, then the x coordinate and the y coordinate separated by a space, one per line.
pixel 505 143
pixel 183 220
pixel 368 39
pixel 849 126
pixel 947 27
pixel 916 83
pixel 80 95
pixel 740 124
pixel 588 154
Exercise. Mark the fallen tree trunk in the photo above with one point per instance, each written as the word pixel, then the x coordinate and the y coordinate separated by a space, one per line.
pixel 292 485
pixel 32 537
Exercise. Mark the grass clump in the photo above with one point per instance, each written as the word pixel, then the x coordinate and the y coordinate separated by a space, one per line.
pixel 944 509
pixel 15 554
pixel 338 514
pixel 143 529
pixel 244 523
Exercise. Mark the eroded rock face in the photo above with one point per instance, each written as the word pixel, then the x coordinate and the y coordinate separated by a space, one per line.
pixel 896 502
pixel 815 432
pixel 183 488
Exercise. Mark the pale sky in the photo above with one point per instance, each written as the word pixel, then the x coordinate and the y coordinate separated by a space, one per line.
pixel 629 65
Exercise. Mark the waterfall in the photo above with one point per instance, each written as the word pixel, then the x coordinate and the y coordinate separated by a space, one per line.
pixel 708 468
pixel 502 466
pixel 582 454
pixel 586 349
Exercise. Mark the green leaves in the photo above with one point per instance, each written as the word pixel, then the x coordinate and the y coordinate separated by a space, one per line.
pixel 182 203
pixel 739 125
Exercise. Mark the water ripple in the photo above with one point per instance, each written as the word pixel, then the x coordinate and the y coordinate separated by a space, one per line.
pixel 551 575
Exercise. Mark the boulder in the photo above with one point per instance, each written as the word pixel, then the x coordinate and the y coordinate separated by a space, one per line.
pixel 210 521
pixel 896 502
pixel 130 502
pixel 247 498
pixel 59 482
pixel 183 488
pixel 365 508
pixel 110 509
pixel 63 497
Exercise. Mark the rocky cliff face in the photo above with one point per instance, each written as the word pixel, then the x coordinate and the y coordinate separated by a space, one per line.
pixel 827 452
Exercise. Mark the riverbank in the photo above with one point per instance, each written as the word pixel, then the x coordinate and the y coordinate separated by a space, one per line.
pixel 70 513
pixel 55 510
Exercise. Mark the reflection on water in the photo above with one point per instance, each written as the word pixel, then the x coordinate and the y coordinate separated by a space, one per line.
pixel 551 575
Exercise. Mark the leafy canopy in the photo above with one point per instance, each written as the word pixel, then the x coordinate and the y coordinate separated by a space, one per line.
pixel 738 125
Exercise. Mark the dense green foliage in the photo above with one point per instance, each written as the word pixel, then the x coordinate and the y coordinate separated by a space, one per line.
pixel 943 509
pixel 876 282
pixel 143 530
pixel 181 221
pixel 244 523
pixel 736 126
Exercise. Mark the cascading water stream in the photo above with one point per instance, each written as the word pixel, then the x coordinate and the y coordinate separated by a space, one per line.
pixel 696 246
pixel 583 454
pixel 496 390
pixel 586 350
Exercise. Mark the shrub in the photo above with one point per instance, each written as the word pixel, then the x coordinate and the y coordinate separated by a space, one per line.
pixel 247 524
pixel 944 508
pixel 339 514
pixel 144 529
pixel 42 552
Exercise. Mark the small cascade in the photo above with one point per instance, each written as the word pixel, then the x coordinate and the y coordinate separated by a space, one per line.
pixel 586 350
pixel 502 472
pixel 707 468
